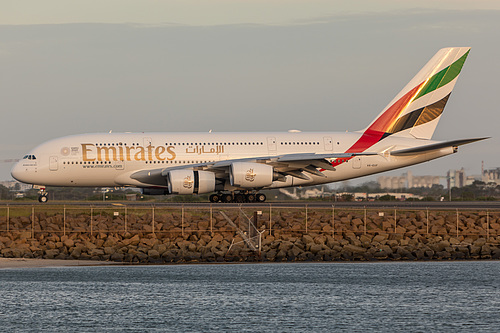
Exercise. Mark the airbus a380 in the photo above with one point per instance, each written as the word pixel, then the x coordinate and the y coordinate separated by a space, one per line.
pixel 236 166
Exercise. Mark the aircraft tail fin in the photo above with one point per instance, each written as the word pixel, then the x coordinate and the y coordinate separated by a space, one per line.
pixel 416 110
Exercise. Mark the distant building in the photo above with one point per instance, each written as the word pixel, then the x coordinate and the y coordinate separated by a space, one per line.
pixel 455 178
pixel 407 180
pixel 306 193
pixel 491 176
pixel 458 178
pixel 359 196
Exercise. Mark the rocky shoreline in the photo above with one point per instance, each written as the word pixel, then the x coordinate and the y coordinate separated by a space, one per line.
pixel 169 237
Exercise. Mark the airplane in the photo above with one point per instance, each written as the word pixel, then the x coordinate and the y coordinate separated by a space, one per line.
pixel 235 167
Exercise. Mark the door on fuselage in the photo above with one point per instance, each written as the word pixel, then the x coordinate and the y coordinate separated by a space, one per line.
pixel 356 163
pixel 328 143
pixel 53 163
pixel 271 144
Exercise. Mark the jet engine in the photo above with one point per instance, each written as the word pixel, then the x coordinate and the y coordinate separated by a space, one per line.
pixel 251 175
pixel 185 181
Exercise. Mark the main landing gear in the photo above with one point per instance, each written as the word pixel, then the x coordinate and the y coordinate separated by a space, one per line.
pixel 237 197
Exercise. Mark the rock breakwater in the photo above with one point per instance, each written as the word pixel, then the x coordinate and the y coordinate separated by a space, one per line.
pixel 287 235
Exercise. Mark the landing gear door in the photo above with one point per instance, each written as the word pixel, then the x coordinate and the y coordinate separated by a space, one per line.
pixel 53 163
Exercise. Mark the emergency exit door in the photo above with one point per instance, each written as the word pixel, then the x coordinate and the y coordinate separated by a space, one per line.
pixel 271 144
pixel 53 164
pixel 328 143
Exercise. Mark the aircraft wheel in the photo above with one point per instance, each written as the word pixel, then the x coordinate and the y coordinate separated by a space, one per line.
pixel 227 198
pixel 214 198
pixel 43 199
pixel 240 198
pixel 251 197
pixel 260 197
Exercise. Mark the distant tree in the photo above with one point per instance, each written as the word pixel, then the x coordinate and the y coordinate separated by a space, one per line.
pixel 5 193
pixel 478 183
pixel 367 187
pixel 347 197
pixel 387 197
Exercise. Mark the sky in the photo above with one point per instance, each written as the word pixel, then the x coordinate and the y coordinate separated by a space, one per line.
pixel 237 65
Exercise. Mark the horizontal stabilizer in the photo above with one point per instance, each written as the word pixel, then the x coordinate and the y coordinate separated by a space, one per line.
pixel 434 146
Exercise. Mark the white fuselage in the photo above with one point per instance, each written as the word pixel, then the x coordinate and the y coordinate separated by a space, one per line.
pixel 108 160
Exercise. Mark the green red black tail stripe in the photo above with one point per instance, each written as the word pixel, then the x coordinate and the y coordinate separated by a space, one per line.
pixel 420 116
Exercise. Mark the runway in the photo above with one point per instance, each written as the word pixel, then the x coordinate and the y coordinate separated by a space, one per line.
pixel 280 204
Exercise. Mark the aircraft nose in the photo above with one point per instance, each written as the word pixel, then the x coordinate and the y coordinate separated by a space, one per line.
pixel 18 172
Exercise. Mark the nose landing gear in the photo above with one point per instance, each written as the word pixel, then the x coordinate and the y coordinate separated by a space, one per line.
pixel 42 195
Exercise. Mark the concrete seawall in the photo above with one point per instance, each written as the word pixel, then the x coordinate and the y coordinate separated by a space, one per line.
pixel 176 235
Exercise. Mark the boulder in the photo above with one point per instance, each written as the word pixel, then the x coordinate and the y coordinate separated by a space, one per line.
pixel 76 253
pixel 117 257
pixel 109 250
pixel 495 253
pixel 380 254
pixel 354 249
pixel 285 246
pixel 110 242
pixel 306 239
pixel 69 242
pixel 443 255
pixel 270 255
pixel 429 253
pixel 379 238
pixel 217 238
pixel 142 257
pixel 154 254
pixel 315 248
pixel 485 251
pixel 365 239
pixel 96 252
pixel 51 254
pixel 295 251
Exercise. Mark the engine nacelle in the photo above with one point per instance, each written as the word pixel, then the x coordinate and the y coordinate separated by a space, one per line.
pixel 251 175
pixel 189 181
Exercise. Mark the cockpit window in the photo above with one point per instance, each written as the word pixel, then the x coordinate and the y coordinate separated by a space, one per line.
pixel 29 157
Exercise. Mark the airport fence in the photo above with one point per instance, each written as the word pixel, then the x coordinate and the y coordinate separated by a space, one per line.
pixel 183 221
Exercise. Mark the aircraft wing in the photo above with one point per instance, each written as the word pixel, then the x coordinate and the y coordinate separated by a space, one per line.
pixel 296 165
pixel 434 146
pixel 289 164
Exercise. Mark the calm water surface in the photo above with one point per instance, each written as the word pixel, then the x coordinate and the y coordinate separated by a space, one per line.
pixel 412 296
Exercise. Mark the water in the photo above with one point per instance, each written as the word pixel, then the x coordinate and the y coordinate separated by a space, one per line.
pixel 404 296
